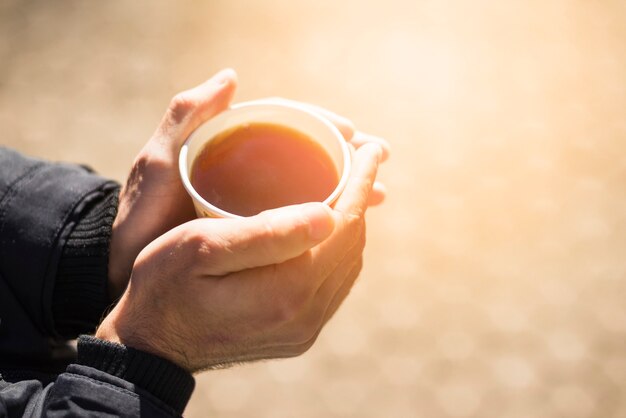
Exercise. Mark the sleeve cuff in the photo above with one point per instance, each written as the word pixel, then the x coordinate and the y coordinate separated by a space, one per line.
pixel 161 378
pixel 80 292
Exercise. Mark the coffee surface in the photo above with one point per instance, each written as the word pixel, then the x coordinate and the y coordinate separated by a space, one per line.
pixel 258 166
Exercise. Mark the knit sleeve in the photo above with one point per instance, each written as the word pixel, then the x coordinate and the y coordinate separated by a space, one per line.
pixel 157 376
pixel 80 292
pixel 55 228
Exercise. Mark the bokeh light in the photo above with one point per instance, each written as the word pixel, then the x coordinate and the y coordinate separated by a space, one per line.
pixel 494 282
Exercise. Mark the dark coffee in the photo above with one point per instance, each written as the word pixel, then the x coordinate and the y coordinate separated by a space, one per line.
pixel 258 166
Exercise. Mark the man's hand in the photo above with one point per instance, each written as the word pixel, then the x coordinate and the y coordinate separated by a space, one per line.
pixel 212 292
pixel 153 201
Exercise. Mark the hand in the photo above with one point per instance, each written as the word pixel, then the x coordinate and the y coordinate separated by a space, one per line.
pixel 153 201
pixel 216 291
pixel 354 138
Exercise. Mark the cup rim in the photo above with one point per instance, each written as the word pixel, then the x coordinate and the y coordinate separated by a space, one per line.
pixel 184 151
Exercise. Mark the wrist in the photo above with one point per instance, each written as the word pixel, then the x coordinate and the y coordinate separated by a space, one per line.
pixel 123 326
pixel 161 378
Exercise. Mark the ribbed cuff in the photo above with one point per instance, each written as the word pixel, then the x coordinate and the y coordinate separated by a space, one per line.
pixel 80 292
pixel 163 379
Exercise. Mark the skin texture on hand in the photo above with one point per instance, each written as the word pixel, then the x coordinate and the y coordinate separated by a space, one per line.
pixel 210 292
pixel 153 199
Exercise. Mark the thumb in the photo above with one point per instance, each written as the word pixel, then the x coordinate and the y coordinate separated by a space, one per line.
pixel 191 108
pixel 271 237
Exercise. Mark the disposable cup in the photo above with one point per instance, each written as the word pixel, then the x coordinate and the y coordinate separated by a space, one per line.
pixel 288 114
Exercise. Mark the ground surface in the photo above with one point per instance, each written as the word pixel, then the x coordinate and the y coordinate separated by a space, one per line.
pixel 495 277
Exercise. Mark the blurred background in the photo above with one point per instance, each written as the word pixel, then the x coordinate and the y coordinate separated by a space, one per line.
pixel 495 276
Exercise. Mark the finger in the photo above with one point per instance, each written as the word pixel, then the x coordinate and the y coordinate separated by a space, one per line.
pixel 336 280
pixel 340 273
pixel 353 200
pixel 272 237
pixel 360 138
pixel 377 195
pixel 345 125
pixel 190 108
pixel 347 236
pixel 299 334
pixel 349 211
pixel 305 323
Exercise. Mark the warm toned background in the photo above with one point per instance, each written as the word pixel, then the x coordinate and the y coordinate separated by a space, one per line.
pixel 495 277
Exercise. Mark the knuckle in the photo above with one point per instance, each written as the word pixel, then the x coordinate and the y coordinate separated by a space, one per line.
pixel 304 322
pixel 275 239
pixel 136 175
pixel 263 240
pixel 201 253
pixel 267 231
pixel 155 160
pixel 195 243
pixel 306 331
pixel 301 334
pixel 305 346
pixel 361 242
pixel 181 106
pixel 285 310
pixel 354 223
pixel 146 174
pixel 139 172
pixel 355 228
pixel 347 128
pixel 150 160
pixel 299 229
pixel 358 267
pixel 139 167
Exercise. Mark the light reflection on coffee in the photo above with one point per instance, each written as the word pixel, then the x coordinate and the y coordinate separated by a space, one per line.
pixel 258 166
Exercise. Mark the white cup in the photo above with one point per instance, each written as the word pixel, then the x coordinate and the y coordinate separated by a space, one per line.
pixel 271 111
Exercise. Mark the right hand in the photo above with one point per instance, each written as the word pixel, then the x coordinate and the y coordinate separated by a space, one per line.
pixel 212 292
pixel 154 200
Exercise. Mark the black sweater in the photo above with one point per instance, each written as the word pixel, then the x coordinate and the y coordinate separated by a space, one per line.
pixel 55 228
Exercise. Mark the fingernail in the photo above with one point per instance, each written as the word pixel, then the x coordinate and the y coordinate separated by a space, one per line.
pixel 321 221
pixel 376 149
pixel 363 138
pixel 224 76
pixel 349 127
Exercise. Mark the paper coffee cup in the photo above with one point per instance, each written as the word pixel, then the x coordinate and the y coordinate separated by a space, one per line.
pixel 269 111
